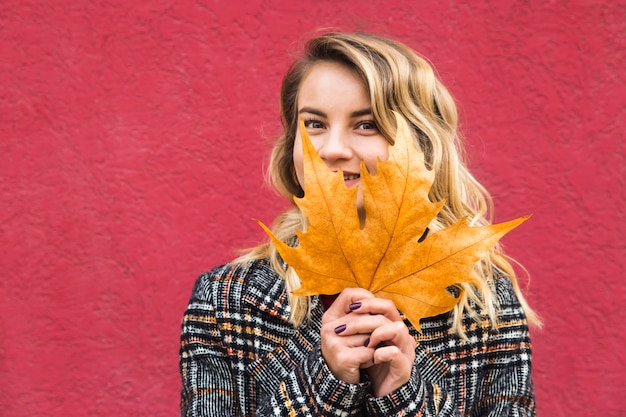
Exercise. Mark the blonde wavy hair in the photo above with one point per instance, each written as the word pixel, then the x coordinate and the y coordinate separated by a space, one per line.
pixel 399 81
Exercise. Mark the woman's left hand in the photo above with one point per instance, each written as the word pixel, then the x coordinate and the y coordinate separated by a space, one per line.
pixel 393 347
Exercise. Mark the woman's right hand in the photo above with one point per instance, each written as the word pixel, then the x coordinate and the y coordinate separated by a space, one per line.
pixel 344 336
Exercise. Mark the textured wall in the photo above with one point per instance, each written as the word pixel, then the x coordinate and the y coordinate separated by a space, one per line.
pixel 132 141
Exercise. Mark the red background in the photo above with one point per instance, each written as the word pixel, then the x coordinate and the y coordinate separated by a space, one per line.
pixel 133 137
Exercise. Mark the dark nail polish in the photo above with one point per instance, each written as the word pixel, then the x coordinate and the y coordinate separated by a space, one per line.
pixel 340 329
pixel 355 306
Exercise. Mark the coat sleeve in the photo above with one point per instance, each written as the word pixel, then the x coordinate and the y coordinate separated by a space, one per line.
pixel 311 389
pixel 508 388
pixel 208 388
pixel 415 398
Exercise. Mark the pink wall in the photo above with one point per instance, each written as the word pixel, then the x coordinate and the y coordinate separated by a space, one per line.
pixel 132 141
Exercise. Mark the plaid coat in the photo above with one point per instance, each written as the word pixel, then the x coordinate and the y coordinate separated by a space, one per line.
pixel 240 356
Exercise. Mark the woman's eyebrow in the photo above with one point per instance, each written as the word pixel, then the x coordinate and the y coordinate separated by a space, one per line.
pixel 312 111
pixel 357 113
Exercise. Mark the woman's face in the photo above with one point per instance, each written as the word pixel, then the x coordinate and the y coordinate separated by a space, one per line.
pixel 337 114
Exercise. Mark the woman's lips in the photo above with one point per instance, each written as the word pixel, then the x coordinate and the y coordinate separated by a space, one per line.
pixel 351 179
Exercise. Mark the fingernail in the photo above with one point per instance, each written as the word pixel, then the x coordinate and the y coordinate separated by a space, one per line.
pixel 367 342
pixel 340 329
pixel 355 306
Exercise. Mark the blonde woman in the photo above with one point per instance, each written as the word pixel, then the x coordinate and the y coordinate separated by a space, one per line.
pixel 250 347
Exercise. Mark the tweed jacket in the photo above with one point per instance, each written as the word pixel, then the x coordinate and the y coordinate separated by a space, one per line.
pixel 240 356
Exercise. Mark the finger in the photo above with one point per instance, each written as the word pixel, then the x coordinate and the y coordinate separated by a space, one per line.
pixel 355 340
pixel 345 363
pixel 348 357
pixel 347 333
pixel 394 334
pixel 388 354
pixel 341 306
pixel 356 324
pixel 399 365
pixel 374 305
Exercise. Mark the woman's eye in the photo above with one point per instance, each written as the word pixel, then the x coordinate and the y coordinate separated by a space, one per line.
pixel 368 125
pixel 313 124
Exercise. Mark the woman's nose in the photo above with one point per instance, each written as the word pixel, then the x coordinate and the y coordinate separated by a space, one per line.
pixel 335 146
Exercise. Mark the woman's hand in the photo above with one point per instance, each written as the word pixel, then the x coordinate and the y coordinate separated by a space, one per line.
pixel 344 335
pixel 393 348
pixel 360 331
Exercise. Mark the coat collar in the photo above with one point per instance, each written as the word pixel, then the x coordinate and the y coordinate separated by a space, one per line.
pixel 430 367
pixel 265 290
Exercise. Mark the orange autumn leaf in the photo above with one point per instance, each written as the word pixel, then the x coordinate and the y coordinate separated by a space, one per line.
pixel 386 256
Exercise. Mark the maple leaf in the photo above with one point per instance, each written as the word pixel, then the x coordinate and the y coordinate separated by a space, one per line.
pixel 386 255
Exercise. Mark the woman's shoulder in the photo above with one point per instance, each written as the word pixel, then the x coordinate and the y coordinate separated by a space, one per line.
pixel 505 293
pixel 233 278
pixel 238 285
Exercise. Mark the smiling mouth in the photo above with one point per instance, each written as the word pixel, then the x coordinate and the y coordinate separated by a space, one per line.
pixel 350 177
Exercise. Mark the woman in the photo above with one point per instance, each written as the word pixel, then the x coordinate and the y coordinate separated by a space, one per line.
pixel 251 347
